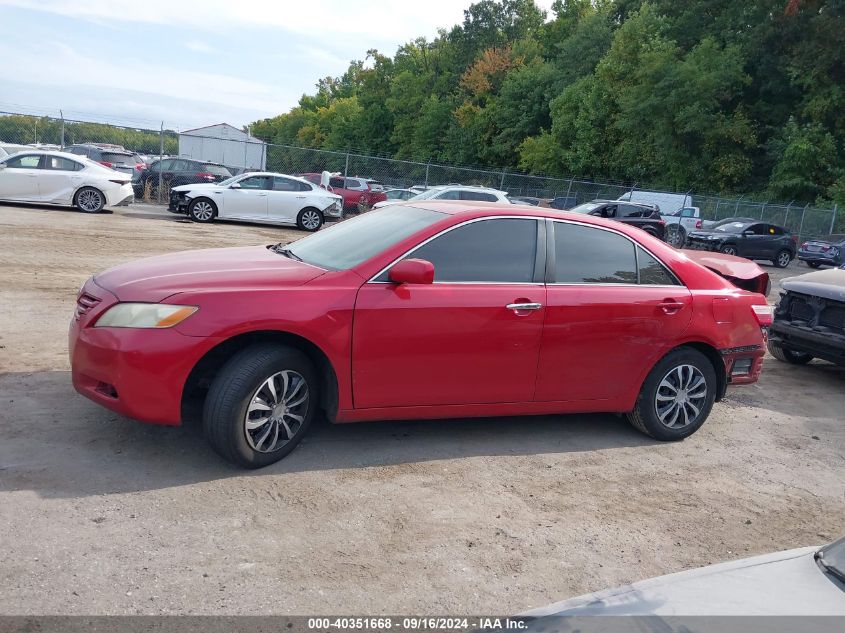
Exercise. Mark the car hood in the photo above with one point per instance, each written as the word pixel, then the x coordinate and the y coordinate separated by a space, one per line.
pixel 706 233
pixel 741 272
pixel 784 583
pixel 829 284
pixel 199 185
pixel 156 278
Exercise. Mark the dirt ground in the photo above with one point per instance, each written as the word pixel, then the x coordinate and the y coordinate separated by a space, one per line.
pixel 103 515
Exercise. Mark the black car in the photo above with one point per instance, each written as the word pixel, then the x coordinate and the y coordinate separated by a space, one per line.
pixel 112 156
pixel 810 319
pixel 639 214
pixel 179 171
pixel 751 239
pixel 828 250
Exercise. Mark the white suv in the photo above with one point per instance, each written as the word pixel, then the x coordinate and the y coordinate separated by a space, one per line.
pixel 455 192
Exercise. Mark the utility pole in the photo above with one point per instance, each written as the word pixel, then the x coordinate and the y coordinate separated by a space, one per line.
pixel 160 158
pixel 61 114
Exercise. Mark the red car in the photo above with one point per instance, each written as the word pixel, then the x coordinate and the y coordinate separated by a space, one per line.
pixel 439 310
pixel 357 193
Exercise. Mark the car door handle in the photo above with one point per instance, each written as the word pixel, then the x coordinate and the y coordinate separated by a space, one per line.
pixel 301 197
pixel 524 306
pixel 262 195
pixel 670 307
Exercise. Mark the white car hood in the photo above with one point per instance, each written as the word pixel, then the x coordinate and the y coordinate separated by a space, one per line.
pixel 784 583
pixel 199 185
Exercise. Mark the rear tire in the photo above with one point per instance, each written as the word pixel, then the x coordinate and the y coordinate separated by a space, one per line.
pixel 676 235
pixel 676 396
pixel 240 398
pixel 90 200
pixel 202 210
pixel 787 355
pixel 782 259
pixel 309 219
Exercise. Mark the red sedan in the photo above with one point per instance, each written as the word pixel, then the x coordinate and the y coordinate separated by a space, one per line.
pixel 439 310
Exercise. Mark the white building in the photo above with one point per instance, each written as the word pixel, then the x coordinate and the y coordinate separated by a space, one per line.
pixel 225 144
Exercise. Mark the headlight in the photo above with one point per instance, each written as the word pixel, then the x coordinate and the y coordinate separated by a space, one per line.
pixel 145 315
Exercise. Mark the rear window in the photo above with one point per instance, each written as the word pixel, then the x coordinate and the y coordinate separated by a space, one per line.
pixel 122 159
pixel 217 170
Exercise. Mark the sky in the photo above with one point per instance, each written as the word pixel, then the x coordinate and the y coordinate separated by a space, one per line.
pixel 187 63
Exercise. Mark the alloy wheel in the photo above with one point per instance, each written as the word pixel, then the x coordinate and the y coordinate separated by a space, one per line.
pixel 202 210
pixel 680 396
pixel 783 259
pixel 674 236
pixel 89 200
pixel 276 411
pixel 311 220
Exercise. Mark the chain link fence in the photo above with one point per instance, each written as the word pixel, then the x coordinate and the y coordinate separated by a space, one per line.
pixel 239 152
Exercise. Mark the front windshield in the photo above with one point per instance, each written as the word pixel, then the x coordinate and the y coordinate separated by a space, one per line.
pixel 425 195
pixel 351 242
pixel 731 227
pixel 229 181
pixel 585 208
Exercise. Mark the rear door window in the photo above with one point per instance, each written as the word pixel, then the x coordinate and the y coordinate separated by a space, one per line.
pixel 60 163
pixel 449 195
pixel 288 184
pixel 652 272
pixel 478 195
pixel 588 255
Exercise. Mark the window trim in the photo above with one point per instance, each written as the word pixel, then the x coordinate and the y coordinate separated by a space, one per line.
pixel 551 259
pixel 540 256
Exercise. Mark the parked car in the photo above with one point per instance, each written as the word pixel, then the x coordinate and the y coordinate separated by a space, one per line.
pixel 63 179
pixel 258 197
pixel 750 239
pixel 810 318
pixel 680 223
pixel 400 195
pixel 112 156
pixel 7 149
pixel 828 250
pixel 179 171
pixel 456 192
pixel 644 216
pixel 534 202
pixel 808 581
pixel 458 310
pixel 710 224
pixel 356 192
pixel 563 202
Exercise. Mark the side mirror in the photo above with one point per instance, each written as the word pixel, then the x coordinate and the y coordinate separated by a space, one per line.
pixel 412 271
pixel 235 185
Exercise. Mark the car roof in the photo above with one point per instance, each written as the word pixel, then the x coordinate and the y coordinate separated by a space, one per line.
pixel 50 152
pixel 274 173
pixel 650 205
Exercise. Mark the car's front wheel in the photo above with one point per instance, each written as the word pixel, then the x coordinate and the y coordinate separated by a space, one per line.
pixel 309 219
pixel 782 259
pixel 202 210
pixel 787 355
pixel 728 249
pixel 260 405
pixel 90 200
pixel 676 397
pixel 676 235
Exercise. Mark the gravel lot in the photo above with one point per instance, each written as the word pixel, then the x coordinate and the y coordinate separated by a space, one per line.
pixel 102 515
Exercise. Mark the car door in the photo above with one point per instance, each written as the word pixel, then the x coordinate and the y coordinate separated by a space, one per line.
pixel 755 242
pixel 59 178
pixel 471 337
pixel 286 199
pixel 179 172
pixel 19 178
pixel 248 200
pixel 612 311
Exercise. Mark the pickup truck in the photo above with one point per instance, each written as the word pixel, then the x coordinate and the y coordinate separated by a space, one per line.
pixel 681 222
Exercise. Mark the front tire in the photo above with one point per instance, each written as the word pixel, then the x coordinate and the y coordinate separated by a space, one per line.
pixel 787 355
pixel 729 249
pixel 260 405
pixel 676 397
pixel 676 235
pixel 309 219
pixel 90 200
pixel 202 210
pixel 782 259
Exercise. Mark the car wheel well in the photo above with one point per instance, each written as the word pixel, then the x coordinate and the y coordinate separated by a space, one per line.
pixel 715 359
pixel 201 376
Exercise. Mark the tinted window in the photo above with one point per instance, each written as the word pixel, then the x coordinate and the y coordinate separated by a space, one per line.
pixel 82 151
pixel 449 195
pixel 489 250
pixel 351 242
pixel 255 182
pixel 121 159
pixel 731 227
pixel 24 162
pixel 775 230
pixel 631 211
pixel 337 183
pixel 652 272
pixel 217 170
pixel 286 184
pixel 355 184
pixel 164 165
pixel 478 195
pixel 64 164
pixel 759 229
pixel 587 255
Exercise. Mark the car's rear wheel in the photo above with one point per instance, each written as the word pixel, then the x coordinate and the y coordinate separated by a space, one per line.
pixel 782 259
pixel 788 355
pixel 309 219
pixel 676 235
pixel 728 249
pixel 90 200
pixel 260 405
pixel 676 397
pixel 813 264
pixel 202 210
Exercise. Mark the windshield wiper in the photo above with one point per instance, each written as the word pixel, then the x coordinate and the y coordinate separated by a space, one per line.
pixel 284 250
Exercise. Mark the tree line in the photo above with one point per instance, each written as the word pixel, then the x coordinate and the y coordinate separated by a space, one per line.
pixel 708 95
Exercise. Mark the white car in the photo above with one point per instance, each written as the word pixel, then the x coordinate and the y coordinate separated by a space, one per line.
pixel 63 179
pixel 454 192
pixel 7 149
pixel 258 197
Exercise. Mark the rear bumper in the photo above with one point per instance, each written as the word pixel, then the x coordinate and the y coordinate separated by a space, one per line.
pixel 737 359
pixel 819 258
pixel 829 346
pixel 121 196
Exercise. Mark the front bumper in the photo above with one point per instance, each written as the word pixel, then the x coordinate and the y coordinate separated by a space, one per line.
pixel 178 202
pixel 827 345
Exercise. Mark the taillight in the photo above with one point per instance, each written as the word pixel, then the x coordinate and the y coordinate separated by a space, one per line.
pixel 804 246
pixel 765 314
pixel 698 224
pixel 139 166
pixel 663 222
pixel 205 175
pixel 120 182
pixel 105 163
pixel 794 239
